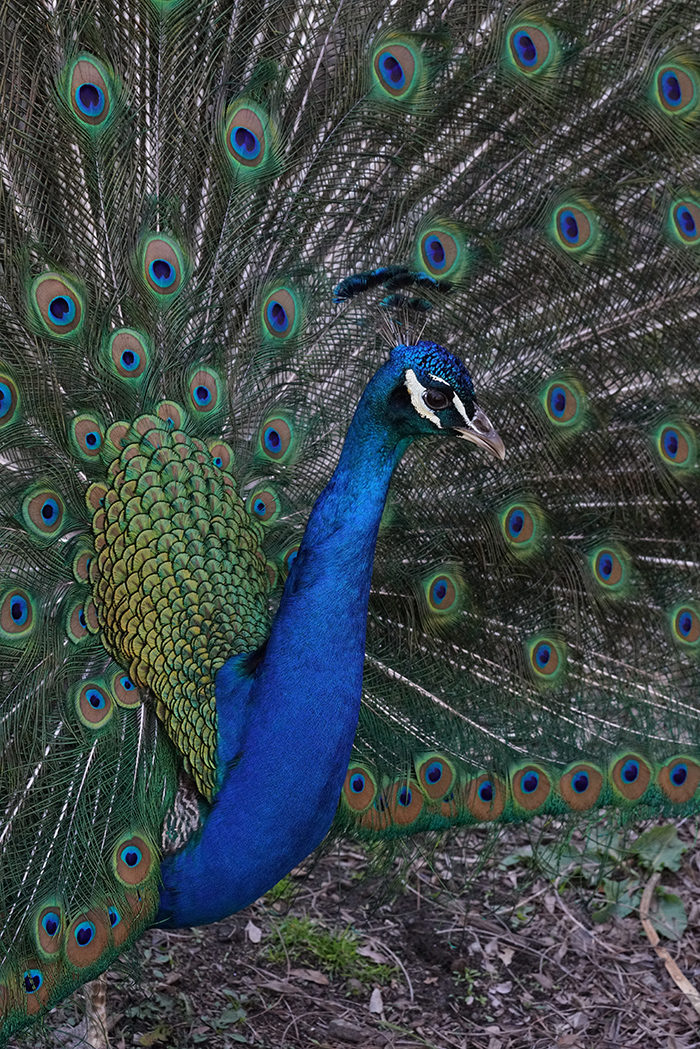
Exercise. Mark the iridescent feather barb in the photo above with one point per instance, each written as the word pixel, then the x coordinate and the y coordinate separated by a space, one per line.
pixel 183 645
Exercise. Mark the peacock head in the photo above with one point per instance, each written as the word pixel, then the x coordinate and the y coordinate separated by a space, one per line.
pixel 434 394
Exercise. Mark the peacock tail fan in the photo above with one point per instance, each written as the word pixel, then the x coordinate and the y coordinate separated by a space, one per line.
pixel 183 186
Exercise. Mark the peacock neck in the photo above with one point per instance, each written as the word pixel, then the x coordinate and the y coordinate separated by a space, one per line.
pixel 287 730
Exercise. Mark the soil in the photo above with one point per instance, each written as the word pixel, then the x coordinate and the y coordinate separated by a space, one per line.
pixel 470 958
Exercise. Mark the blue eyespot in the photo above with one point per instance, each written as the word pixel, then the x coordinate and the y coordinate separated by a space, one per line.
pixel 630 771
pixel 580 782
pixel 90 99
pixel 281 314
pixel 568 226
pixel 93 439
pixel 357 783
pixel 679 774
pixel 131 856
pixel 686 625
pixel 530 782
pixel 95 698
pixel 434 771
pixel 671 88
pixel 685 220
pixel 516 520
pixel 49 511
pixel 520 526
pixel 222 456
pixel 442 593
pixel 398 67
pixel 404 797
pixel 19 610
pixel 51 923
pixel 676 446
pixel 486 791
pixel 543 654
pixel 609 568
pixel 277 316
pixel 32 980
pixel 264 505
pixel 435 251
pixel 126 683
pixel 687 226
pixel 525 47
pixel 563 401
pixel 61 310
pixel 5 398
pixel 272 440
pixel 557 401
pixel 114 916
pixel 130 360
pixel 245 143
pixel 82 619
pixel 605 565
pixel 84 933
pixel 671 443
pixel 202 395
pixel 162 273
pixel 439 591
pixel 391 71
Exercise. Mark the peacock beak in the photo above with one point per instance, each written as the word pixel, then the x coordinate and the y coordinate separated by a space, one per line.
pixel 479 431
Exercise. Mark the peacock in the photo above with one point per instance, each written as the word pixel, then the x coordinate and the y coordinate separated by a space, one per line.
pixel 427 267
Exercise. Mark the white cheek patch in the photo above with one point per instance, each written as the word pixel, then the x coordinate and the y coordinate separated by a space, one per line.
pixel 416 390
pixel 459 405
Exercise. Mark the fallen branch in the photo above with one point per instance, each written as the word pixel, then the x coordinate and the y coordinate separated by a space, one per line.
pixel 681 981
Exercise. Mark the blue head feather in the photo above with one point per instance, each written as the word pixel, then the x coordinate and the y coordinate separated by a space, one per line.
pixel 428 360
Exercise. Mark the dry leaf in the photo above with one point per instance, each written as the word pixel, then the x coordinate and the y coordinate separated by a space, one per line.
pixel 376 1003
pixel 253 933
pixel 373 954
pixel 280 987
pixel 347 1032
pixel 311 976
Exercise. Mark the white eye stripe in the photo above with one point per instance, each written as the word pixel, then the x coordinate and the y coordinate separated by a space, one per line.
pixel 436 378
pixel 416 390
pixel 459 405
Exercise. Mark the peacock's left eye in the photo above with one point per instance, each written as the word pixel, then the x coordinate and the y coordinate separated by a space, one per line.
pixel 436 399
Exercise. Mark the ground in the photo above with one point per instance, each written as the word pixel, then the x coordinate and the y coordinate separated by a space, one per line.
pixel 450 956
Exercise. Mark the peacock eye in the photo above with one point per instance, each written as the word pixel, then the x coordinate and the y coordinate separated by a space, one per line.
pixel 436 399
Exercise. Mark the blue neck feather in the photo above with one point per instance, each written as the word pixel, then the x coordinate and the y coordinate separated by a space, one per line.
pixel 286 731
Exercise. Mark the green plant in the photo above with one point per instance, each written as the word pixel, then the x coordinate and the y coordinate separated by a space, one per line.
pixel 616 870
pixel 333 952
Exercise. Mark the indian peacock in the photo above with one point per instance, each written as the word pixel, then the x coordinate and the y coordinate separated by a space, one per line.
pixel 200 679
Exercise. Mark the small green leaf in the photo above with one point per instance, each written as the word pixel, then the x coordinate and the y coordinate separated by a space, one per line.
pixel 161 1033
pixel 231 1016
pixel 523 854
pixel 659 849
pixel 669 919
pixel 621 898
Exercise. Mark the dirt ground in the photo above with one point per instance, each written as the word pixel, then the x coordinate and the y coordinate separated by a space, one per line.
pixel 449 956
